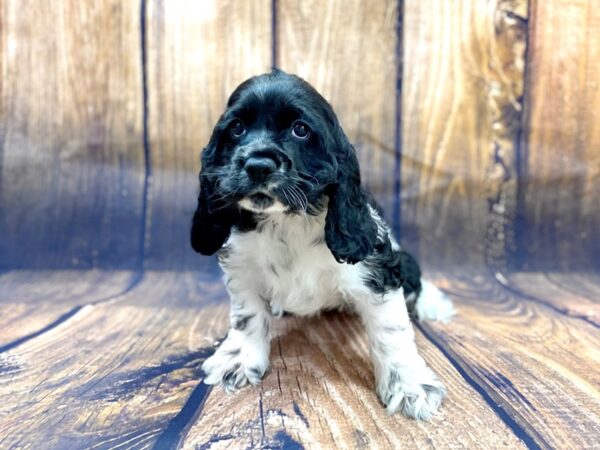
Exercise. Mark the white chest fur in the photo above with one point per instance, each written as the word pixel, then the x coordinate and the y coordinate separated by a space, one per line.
pixel 287 261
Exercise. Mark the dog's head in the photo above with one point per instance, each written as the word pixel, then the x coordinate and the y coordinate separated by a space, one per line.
pixel 279 149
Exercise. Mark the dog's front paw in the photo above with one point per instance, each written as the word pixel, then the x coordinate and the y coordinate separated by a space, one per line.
pixel 234 367
pixel 417 394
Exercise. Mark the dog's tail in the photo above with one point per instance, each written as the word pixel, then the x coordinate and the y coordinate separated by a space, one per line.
pixel 432 304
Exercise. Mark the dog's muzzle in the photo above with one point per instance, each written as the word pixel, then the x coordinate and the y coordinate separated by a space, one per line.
pixel 260 167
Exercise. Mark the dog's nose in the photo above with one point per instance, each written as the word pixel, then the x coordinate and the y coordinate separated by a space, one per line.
pixel 258 169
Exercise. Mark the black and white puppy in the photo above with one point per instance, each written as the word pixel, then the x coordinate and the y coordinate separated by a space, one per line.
pixel 281 203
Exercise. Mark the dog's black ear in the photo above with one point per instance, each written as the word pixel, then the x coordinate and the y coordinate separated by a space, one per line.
pixel 212 222
pixel 350 231
pixel 213 218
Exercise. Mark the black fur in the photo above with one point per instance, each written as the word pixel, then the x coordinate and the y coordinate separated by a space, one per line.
pixel 240 322
pixel 212 220
pixel 350 232
pixel 391 269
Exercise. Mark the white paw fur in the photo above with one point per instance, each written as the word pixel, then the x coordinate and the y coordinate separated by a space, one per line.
pixel 236 363
pixel 416 393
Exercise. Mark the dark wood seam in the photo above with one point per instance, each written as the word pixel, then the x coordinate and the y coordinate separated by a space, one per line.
pixel 531 440
pixel 137 278
pixel 145 223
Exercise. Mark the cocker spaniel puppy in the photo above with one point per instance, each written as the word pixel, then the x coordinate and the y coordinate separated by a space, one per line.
pixel 282 205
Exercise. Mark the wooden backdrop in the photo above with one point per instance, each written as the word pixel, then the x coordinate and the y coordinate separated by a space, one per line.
pixel 477 122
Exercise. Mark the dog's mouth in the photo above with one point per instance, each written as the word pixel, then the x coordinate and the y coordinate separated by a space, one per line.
pixel 261 200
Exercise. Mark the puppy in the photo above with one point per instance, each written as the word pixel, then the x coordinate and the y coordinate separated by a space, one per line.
pixel 282 206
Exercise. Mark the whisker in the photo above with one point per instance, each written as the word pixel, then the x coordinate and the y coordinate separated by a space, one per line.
pixel 300 194
pixel 301 197
pixel 283 191
pixel 297 199
pixel 306 175
pixel 221 171
pixel 292 196
pixel 293 178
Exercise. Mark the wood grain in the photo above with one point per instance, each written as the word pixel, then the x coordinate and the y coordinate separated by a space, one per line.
pixel 32 300
pixel 571 294
pixel 319 393
pixel 583 284
pixel 126 373
pixel 560 199
pixel 540 366
pixel 72 155
pixel 462 82
pixel 111 358
pixel 198 52
pixel 347 51
pixel 113 374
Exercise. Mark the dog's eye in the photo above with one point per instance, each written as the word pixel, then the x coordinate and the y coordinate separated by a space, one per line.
pixel 300 130
pixel 237 128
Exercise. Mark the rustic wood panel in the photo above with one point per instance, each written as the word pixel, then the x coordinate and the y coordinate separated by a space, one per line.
pixel 127 373
pixel 32 301
pixel 585 285
pixel 319 393
pixel 560 200
pixel 72 159
pixel 571 294
pixel 540 366
pixel 462 83
pixel 198 52
pixel 347 51
pixel 113 374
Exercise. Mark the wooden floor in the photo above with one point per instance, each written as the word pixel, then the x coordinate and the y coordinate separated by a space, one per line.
pixel 96 359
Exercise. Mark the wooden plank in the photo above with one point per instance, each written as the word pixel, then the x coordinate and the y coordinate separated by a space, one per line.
pixel 71 115
pixel 560 203
pixel 540 366
pixel 198 52
pixel 586 285
pixel 319 393
pixel 462 83
pixel 127 373
pixel 354 70
pixel 113 374
pixel 570 294
pixel 31 300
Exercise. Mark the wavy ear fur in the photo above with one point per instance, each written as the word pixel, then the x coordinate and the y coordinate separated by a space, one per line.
pixel 350 231
pixel 212 222
pixel 213 218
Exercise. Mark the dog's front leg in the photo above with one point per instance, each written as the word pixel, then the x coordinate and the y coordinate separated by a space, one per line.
pixel 404 382
pixel 244 354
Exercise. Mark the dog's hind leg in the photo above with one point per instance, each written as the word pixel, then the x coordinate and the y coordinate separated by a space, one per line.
pixel 404 381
